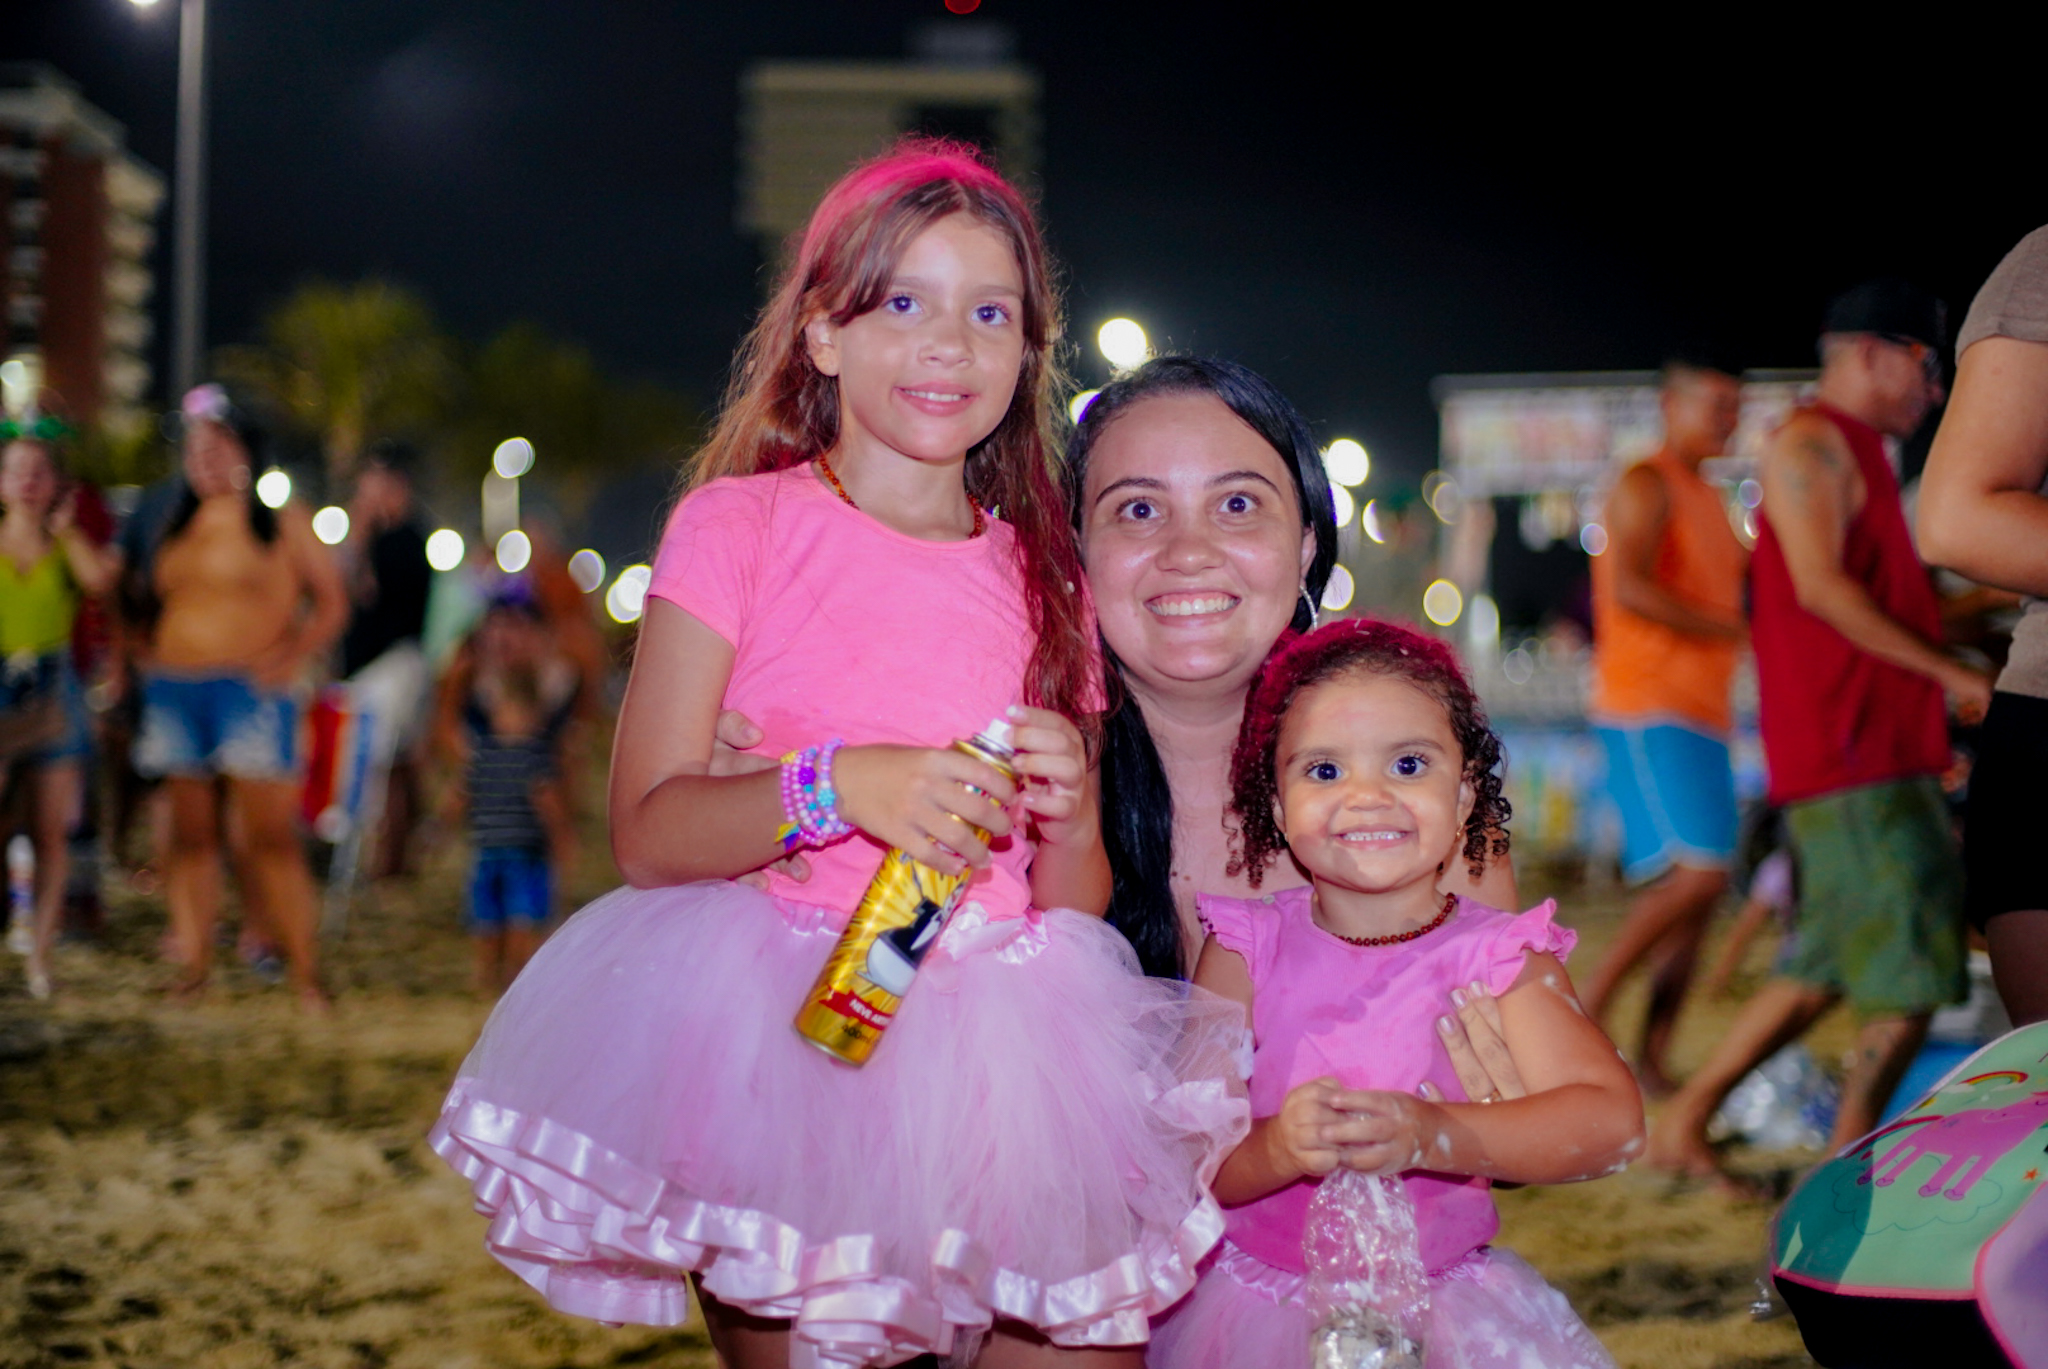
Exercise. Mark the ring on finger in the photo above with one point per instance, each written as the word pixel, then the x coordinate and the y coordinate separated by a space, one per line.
pixel 1492 1096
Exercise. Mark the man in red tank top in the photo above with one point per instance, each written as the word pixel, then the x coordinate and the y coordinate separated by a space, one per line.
pixel 1846 629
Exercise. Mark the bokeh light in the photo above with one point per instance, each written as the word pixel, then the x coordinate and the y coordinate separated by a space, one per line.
pixel 1369 520
pixel 1750 492
pixel 586 568
pixel 1483 623
pixel 1446 500
pixel 1124 343
pixel 445 549
pixel 330 525
pixel 627 598
pixel 1593 539
pixel 1346 505
pixel 1442 603
pixel 1347 462
pixel 274 488
pixel 515 549
pixel 1078 405
pixel 1337 594
pixel 513 458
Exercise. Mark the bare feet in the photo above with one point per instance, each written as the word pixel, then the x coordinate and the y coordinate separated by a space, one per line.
pixel 1679 1148
pixel 187 990
pixel 314 1002
pixel 1655 1084
pixel 39 986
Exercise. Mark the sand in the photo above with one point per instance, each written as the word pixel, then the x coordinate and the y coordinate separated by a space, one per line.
pixel 233 1185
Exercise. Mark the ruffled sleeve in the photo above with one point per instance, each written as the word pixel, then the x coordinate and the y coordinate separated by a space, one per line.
pixel 1235 923
pixel 1517 938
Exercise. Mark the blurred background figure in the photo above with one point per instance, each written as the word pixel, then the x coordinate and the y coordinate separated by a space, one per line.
pixel 48 569
pixel 246 599
pixel 1983 512
pixel 388 582
pixel 1668 632
pixel 1847 632
pixel 517 818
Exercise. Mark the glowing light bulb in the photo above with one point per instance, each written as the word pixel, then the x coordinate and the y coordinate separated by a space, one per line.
pixel 513 458
pixel 1124 343
pixel 1337 594
pixel 515 549
pixel 274 488
pixel 1442 603
pixel 445 549
pixel 1347 462
pixel 586 568
pixel 330 525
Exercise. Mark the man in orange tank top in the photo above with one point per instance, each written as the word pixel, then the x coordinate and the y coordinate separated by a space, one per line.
pixel 1847 633
pixel 1667 632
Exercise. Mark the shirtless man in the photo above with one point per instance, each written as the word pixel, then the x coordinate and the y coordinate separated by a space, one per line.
pixel 248 597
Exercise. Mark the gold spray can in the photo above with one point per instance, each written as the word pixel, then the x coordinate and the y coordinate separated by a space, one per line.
pixel 897 922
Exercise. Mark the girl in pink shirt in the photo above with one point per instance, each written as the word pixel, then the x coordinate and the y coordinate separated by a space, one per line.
pixel 1365 755
pixel 873 551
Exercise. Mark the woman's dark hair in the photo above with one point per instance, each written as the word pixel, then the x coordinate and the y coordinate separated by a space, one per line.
pixel 1137 804
pixel 1360 646
pixel 218 404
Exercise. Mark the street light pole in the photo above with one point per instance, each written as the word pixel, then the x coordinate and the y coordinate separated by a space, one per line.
pixel 188 341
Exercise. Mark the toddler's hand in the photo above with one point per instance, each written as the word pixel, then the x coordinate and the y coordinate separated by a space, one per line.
pixel 1381 1132
pixel 1054 763
pixel 1298 1137
pixel 922 800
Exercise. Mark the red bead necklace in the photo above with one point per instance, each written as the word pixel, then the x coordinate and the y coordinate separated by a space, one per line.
pixel 825 469
pixel 1396 938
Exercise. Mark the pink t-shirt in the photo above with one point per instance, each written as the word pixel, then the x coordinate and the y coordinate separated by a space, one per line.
pixel 842 627
pixel 1367 1016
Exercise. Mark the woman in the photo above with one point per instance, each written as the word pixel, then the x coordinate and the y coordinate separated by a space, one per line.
pixel 246 597
pixel 1206 528
pixel 48 567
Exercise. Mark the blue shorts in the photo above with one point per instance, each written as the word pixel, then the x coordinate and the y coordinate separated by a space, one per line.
pixel 29 684
pixel 1676 791
pixel 510 885
pixel 197 726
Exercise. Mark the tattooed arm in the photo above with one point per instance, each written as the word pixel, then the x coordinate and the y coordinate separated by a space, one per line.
pixel 1811 491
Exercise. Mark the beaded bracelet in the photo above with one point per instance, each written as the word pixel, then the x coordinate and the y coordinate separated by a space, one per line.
pixel 810 803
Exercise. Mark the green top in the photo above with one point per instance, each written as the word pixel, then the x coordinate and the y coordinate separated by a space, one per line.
pixel 37 609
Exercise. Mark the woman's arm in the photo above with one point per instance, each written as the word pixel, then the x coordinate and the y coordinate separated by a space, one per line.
pixel 316 629
pixel 673 821
pixel 1582 1118
pixel 1981 513
pixel 93 568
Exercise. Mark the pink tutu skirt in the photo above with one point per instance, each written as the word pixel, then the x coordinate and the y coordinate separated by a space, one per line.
pixel 1488 1311
pixel 1032 1139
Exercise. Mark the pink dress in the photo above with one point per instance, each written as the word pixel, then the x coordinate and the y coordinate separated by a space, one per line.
pixel 1031 1140
pixel 1366 1016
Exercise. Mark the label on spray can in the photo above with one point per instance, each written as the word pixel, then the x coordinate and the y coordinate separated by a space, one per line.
pixel 898 921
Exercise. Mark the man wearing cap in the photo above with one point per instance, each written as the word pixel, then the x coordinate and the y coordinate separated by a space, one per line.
pixel 1667 634
pixel 1846 629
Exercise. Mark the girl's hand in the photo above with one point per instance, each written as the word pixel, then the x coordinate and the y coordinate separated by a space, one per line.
pixel 1054 763
pixel 729 756
pixel 1383 1133
pixel 1298 1137
pixel 922 800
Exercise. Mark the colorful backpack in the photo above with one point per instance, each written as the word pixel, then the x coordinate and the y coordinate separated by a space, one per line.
pixel 1945 1204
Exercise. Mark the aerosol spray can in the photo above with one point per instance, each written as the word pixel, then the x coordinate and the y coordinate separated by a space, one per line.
pixel 897 922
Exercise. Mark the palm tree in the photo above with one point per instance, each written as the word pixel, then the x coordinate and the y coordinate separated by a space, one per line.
pixel 347 363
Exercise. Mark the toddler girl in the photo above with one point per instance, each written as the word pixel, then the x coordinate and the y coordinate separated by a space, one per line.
pixel 872 551
pixel 1365 755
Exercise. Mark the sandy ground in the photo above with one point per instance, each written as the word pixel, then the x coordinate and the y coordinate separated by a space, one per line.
pixel 232 1185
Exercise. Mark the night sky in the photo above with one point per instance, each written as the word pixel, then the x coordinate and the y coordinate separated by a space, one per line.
pixel 1351 210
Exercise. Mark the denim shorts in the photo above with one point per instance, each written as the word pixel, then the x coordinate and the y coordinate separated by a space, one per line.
pixel 510 885
pixel 25 684
pixel 195 726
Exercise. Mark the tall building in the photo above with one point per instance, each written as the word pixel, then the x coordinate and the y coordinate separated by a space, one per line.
pixel 77 221
pixel 804 123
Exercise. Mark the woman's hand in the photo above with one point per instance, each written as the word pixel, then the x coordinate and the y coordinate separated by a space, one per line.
pixel 1473 1038
pixel 1298 1138
pixel 923 800
pixel 1053 761
pixel 1380 1132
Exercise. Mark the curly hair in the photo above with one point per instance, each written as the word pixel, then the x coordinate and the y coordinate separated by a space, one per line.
pixel 1359 646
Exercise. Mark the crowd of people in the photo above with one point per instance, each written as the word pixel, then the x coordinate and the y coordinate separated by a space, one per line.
pixel 1241 914
pixel 211 633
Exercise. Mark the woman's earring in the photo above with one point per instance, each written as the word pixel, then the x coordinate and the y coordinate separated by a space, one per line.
pixel 1314 614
